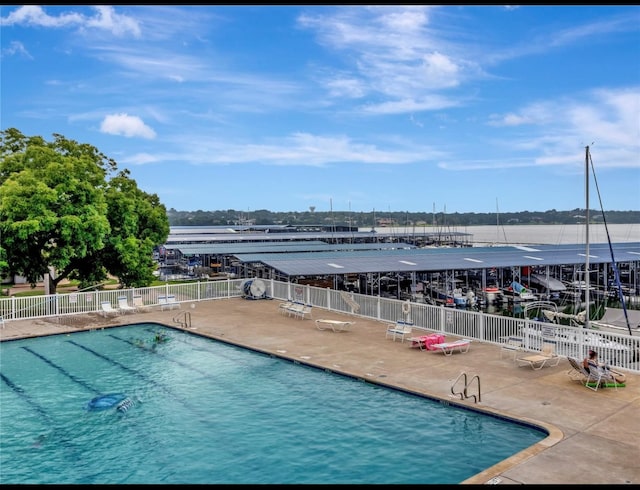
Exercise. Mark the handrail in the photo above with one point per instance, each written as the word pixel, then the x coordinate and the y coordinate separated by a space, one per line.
pixel 476 400
pixel 461 393
pixel 464 393
pixel 185 322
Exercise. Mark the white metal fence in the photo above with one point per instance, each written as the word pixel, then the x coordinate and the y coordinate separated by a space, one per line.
pixel 617 349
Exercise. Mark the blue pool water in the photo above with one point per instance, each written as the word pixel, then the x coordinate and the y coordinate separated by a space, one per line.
pixel 203 411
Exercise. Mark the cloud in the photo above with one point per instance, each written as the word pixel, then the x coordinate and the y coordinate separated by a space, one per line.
pixel 16 47
pixel 141 159
pixel 33 15
pixel 117 24
pixel 126 125
pixel 105 20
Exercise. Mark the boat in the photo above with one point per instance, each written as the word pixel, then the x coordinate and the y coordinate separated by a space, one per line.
pixel 441 294
pixel 547 286
pixel 517 292
pixel 490 295
pixel 617 320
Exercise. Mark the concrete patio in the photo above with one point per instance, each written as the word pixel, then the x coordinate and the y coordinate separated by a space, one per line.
pixel 594 437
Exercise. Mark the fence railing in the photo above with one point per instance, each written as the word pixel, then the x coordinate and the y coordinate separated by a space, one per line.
pixel 618 349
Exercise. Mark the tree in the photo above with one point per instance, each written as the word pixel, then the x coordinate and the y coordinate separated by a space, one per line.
pixel 61 217
pixel 138 223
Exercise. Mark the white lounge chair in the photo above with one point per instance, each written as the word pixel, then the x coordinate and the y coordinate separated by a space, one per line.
pixel 447 348
pixel 284 307
pixel 600 376
pixel 299 310
pixel 399 330
pixel 511 345
pixel 168 302
pixel 547 357
pixel 124 306
pixel 107 309
pixel 335 325
pixel 577 371
pixel 138 303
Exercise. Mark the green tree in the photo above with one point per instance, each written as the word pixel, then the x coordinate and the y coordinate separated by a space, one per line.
pixel 138 223
pixel 62 217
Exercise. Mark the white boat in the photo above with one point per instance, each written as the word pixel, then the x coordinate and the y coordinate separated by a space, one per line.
pixel 547 286
pixel 448 297
pixel 615 320
pixel 517 292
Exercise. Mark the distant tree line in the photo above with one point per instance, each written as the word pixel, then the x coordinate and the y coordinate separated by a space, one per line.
pixel 394 218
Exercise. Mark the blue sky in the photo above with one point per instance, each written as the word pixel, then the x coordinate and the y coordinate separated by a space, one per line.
pixel 350 108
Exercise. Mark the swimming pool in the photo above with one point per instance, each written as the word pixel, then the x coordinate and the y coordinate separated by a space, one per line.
pixel 207 412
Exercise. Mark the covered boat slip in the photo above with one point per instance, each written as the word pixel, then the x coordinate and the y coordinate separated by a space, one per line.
pixel 438 259
pixel 615 318
pixel 364 265
pixel 487 264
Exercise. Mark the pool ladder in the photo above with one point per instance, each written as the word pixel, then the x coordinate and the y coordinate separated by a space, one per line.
pixel 183 318
pixel 464 393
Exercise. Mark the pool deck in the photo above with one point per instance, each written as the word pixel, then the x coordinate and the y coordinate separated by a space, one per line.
pixel 594 436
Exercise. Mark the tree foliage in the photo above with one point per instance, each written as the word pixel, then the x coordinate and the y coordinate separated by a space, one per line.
pixel 392 218
pixel 67 213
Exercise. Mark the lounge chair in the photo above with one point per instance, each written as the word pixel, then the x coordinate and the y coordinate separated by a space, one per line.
pixel 546 357
pixel 284 307
pixel 299 310
pixel 168 302
pixel 426 342
pixel 600 376
pixel 138 303
pixel 511 345
pixel 577 371
pixel 124 306
pixel 399 330
pixel 335 325
pixel 448 348
pixel 107 309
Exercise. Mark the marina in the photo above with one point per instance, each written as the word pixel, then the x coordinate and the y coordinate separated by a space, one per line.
pixel 388 265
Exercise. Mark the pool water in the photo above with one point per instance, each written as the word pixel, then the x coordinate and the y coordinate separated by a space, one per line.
pixel 207 412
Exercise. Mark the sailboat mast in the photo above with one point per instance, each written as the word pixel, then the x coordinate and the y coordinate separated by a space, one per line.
pixel 587 219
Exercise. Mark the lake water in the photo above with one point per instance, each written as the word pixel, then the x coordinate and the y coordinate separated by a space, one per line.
pixel 537 234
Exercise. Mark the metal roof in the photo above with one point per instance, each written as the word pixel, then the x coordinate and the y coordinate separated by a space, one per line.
pixel 342 236
pixel 440 259
pixel 279 247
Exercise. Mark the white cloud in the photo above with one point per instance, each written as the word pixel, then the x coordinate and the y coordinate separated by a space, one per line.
pixel 35 16
pixel 126 125
pixel 106 19
pixel 117 24
pixel 403 106
pixel 16 47
pixel 140 159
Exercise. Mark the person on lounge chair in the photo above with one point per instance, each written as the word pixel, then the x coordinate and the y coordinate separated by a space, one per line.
pixel 592 362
